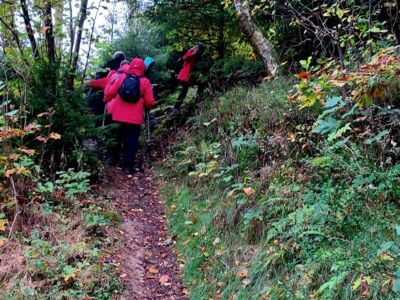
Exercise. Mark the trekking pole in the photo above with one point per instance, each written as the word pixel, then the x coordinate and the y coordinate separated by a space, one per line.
pixel 148 126
pixel 104 116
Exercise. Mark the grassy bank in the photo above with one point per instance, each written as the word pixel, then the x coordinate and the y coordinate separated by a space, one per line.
pixel 265 207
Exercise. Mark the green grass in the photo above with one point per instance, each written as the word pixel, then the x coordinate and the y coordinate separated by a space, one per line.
pixel 258 217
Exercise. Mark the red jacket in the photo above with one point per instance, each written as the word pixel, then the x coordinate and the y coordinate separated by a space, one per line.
pixel 189 61
pixel 132 113
pixel 105 84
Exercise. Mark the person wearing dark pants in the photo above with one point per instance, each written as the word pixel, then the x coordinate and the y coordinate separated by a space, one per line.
pixel 189 61
pixel 129 115
pixel 184 91
pixel 130 134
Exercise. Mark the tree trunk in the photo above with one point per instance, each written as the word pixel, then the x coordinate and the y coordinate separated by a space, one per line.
pixel 49 33
pixel 75 55
pixel 260 44
pixel 58 26
pixel 90 41
pixel 71 32
pixel 221 34
pixel 28 27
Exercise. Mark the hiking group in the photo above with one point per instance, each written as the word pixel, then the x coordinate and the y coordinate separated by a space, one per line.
pixel 126 93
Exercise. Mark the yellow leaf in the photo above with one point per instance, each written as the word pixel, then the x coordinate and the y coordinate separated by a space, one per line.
pixel 10 172
pixel 385 256
pixel 243 273
pixel 249 191
pixel 3 223
pixel 153 271
pixel 27 151
pixel 55 136
pixel 3 241
pixel 292 137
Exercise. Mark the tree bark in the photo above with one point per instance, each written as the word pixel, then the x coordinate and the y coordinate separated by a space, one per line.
pixel 71 32
pixel 75 55
pixel 28 27
pixel 49 32
pixel 91 41
pixel 262 47
pixel 58 26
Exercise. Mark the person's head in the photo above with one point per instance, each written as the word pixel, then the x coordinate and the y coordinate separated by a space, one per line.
pixel 137 66
pixel 119 55
pixel 149 62
pixel 201 47
pixel 124 62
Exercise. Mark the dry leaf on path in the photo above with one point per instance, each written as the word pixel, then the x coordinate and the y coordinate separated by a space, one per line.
pixel 153 270
pixel 164 279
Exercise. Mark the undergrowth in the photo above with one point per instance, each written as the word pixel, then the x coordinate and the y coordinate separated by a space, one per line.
pixel 269 201
pixel 62 249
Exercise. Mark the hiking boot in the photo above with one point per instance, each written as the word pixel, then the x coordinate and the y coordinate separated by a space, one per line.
pixel 128 170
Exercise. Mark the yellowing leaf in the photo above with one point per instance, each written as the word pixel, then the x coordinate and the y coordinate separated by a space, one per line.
pixel 3 241
pixel 153 270
pixel 243 273
pixel 3 223
pixel 10 172
pixel 292 137
pixel 164 279
pixel 55 136
pixel 249 191
pixel 27 151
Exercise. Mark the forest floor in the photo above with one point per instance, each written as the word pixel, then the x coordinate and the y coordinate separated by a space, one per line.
pixel 145 258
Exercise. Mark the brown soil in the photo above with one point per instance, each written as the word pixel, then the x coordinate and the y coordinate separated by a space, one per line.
pixel 145 257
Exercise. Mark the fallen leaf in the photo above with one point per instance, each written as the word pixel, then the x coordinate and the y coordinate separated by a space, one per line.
pixel 243 273
pixel 3 224
pixel 3 241
pixel 123 275
pixel 164 279
pixel 216 241
pixel 304 75
pixel 195 219
pixel 152 270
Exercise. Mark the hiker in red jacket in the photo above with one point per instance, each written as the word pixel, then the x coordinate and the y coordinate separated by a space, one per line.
pixel 130 116
pixel 189 62
pixel 100 84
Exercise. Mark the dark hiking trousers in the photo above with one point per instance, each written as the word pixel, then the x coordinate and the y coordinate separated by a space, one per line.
pixel 128 136
pixel 183 93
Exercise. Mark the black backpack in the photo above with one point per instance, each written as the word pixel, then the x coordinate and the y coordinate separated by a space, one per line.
pixel 130 88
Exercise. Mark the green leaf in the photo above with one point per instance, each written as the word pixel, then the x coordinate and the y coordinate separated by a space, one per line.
pixel 333 101
pixel 396 285
pixel 340 13
pixel 326 125
pixel 12 113
pixel 377 137
pixel 339 132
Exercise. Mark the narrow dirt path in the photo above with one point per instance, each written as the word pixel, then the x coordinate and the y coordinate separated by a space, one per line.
pixel 146 257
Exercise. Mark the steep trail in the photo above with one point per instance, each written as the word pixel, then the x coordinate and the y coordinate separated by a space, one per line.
pixel 145 257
